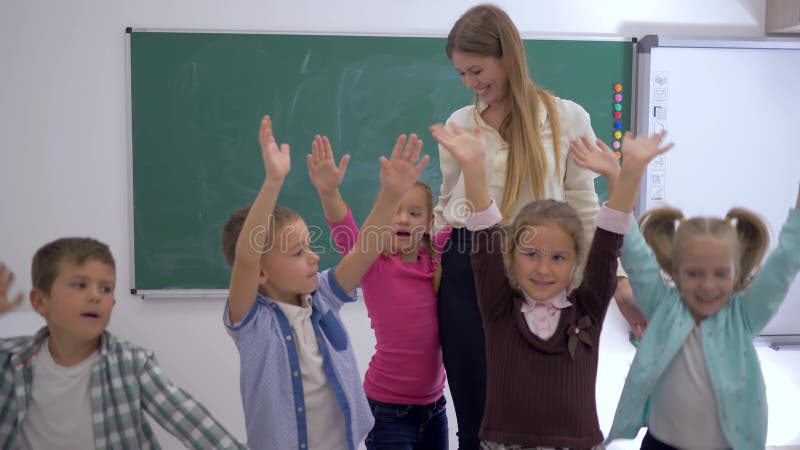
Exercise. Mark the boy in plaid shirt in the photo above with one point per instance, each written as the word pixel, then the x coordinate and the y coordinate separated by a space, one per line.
pixel 73 384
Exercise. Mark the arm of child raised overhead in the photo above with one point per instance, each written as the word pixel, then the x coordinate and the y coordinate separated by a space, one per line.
pixel 770 286
pixel 451 171
pixel 180 414
pixel 327 177
pixel 6 280
pixel 397 176
pixel 488 240
pixel 644 274
pixel 250 245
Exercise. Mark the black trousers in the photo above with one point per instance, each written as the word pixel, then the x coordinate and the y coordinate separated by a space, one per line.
pixel 462 338
pixel 651 443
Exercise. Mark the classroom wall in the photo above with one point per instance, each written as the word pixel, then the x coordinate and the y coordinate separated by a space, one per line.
pixel 63 133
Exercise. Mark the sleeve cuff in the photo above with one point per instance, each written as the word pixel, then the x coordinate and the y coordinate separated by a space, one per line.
pixel 480 220
pixel 612 220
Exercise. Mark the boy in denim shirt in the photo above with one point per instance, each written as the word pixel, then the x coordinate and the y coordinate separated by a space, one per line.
pixel 300 385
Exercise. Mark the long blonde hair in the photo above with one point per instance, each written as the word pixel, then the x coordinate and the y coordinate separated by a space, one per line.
pixel 426 238
pixel 487 30
pixel 667 232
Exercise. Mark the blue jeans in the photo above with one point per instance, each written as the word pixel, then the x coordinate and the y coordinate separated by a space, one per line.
pixel 408 427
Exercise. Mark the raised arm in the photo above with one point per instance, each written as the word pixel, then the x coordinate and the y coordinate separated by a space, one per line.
pixel 491 283
pixel 398 175
pixel 638 259
pixel 771 284
pixel 327 177
pixel 6 280
pixel 469 150
pixel 252 239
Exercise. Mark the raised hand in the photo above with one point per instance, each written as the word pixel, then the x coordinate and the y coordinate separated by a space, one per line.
pixel 468 149
pixel 594 156
pixel 401 170
pixel 322 169
pixel 6 279
pixel 277 161
pixel 639 151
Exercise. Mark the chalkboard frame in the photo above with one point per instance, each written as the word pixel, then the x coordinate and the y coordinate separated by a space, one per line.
pixel 146 291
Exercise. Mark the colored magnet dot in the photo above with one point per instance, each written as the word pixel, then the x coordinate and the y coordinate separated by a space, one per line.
pixel 618 87
pixel 618 125
pixel 619 155
pixel 617 97
pixel 617 115
pixel 616 145
pixel 617 106
pixel 618 134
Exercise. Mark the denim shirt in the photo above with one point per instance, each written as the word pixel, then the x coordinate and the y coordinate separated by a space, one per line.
pixel 733 364
pixel 270 380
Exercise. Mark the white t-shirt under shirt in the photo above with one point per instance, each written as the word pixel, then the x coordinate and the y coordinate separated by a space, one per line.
pixel 324 417
pixel 59 415
pixel 683 408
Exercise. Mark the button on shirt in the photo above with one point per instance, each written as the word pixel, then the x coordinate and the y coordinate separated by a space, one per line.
pixel 324 418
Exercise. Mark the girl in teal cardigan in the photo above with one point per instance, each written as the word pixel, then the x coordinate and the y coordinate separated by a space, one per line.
pixel 696 381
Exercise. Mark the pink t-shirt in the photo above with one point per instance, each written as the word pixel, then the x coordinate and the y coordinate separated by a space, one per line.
pixel 407 365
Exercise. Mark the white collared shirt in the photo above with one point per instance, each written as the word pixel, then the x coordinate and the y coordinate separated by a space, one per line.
pixel 572 184
pixel 542 317
pixel 325 420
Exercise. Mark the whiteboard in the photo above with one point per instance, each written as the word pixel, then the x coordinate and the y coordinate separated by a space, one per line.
pixel 731 108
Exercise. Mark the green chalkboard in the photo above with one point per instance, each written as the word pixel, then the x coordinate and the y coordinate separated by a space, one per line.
pixel 197 100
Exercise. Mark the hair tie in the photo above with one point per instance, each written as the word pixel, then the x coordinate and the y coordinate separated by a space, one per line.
pixel 682 220
pixel 728 220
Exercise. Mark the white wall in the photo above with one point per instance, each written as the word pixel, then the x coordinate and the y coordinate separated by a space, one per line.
pixel 63 143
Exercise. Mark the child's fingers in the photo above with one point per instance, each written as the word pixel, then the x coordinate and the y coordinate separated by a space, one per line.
pixel 398 146
pixel 602 145
pixel 17 300
pixel 343 164
pixel 315 150
pixel 310 163
pixel 413 147
pixel 326 145
pixel 6 277
pixel 265 129
pixel 408 149
pixel 422 164
pixel 577 149
pixel 665 148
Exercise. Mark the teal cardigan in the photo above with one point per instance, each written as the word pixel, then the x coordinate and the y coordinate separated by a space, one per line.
pixel 727 339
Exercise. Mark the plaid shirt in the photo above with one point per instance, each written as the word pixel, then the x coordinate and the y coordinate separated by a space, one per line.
pixel 126 381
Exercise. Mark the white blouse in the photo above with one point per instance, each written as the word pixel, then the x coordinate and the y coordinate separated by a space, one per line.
pixel 572 184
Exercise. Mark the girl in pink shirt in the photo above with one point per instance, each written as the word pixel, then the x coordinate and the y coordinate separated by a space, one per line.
pixel 405 379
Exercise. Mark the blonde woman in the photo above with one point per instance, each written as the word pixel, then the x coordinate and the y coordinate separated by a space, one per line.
pixel 527 132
